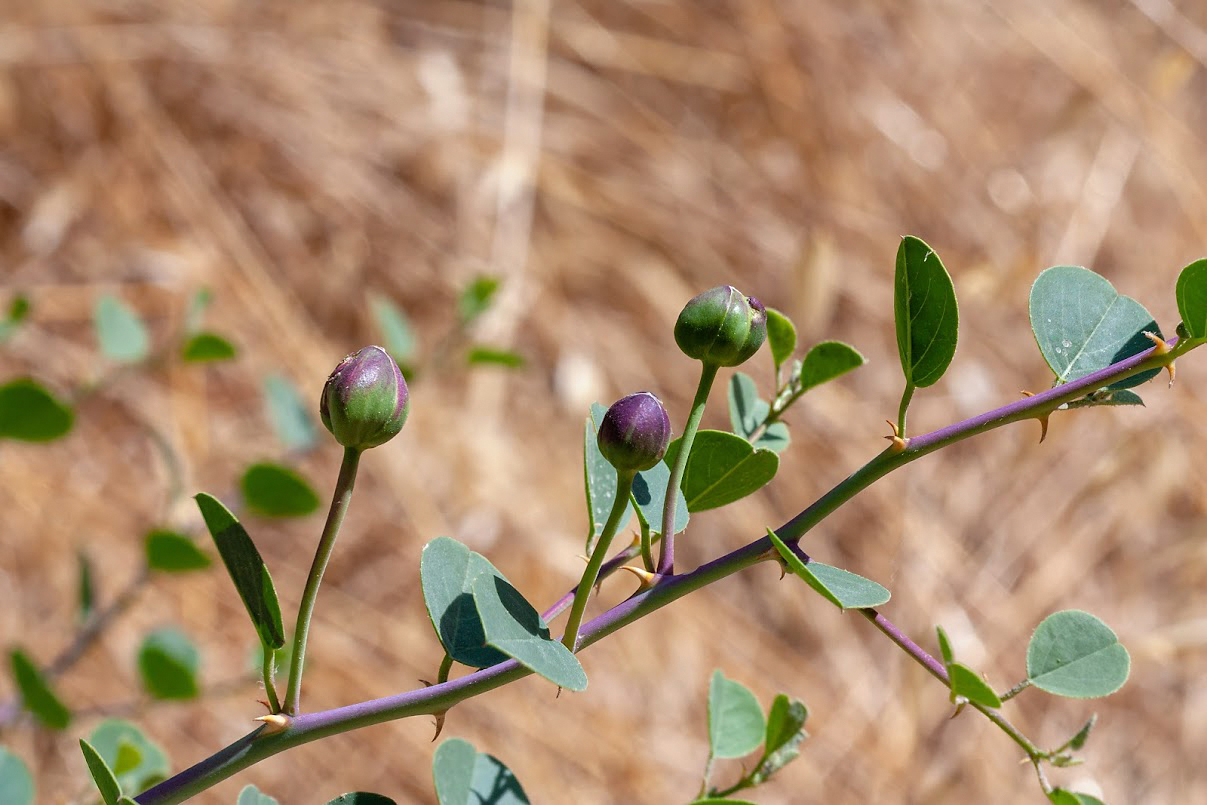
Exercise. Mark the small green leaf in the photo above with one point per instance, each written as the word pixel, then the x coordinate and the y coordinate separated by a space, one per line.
pixel 36 694
pixel 490 356
pixel 16 783
pixel 1060 796
pixel 447 572
pixel 968 683
pixel 1082 324
pixel 30 413
pixel 102 775
pixel 18 310
pixel 250 795
pixel 476 298
pixel 397 334
pixel 781 336
pixel 1083 734
pixel 168 661
pixel 735 719
pixel 722 468
pixel 844 589
pixel 246 568
pixel 205 347
pixel 600 479
pixel 288 413
pixel 361 798
pixel 171 552
pixel 785 732
pixel 113 738
pixel 274 490
pixel 121 333
pixel 129 757
pixel 464 776
pixel 1074 654
pixel 827 361
pixel 649 495
pixel 944 646
pixel 1192 298
pixel 85 586
pixel 926 314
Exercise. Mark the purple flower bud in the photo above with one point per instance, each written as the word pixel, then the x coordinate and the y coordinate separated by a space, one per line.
pixel 365 400
pixel 634 432
pixel 722 326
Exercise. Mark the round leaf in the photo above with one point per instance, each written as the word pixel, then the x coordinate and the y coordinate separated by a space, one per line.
pixel 1074 654
pixel 735 719
pixel 447 571
pixel 121 333
pixel 781 336
pixel 826 361
pixel 274 490
pixel 16 783
pixel 746 410
pixel 250 795
pixel 722 468
pixel 1192 298
pixel 649 494
pixel 397 334
pixel 924 307
pixel 30 413
pixel 361 798
pixel 174 553
pixel 115 739
pixel 168 661
pixel 464 776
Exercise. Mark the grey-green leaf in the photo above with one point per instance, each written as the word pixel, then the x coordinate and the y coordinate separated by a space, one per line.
pixel 1082 324
pixel 274 490
pixel 121 333
pixel 1191 293
pixel 171 552
pixel 464 776
pixel 16 783
pixel 30 413
pixel 1074 654
pixel 116 741
pixel 649 494
pixel 247 569
pixel 361 798
pixel 599 478
pixel 18 310
pixel 826 361
pixel 1107 397
pixel 785 732
pixel 397 334
pixel 102 775
pixel 844 589
pixel 168 662
pixel 447 572
pixel 746 409
pixel 207 347
pixel 288 413
pixel 781 336
pixel 250 795
pixel 926 314
pixel 36 694
pixel 967 683
pixel 722 468
pixel 735 719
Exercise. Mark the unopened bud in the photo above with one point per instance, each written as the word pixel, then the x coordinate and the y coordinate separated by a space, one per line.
pixel 722 326
pixel 365 400
pixel 634 432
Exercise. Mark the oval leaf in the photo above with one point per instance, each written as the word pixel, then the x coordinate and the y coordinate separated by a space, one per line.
pixel 924 307
pixel 397 334
pixel 36 694
pixel 785 732
pixel 250 795
pixel 274 490
pixel 1192 298
pixel 117 742
pixel 102 775
pixel 735 719
pixel 30 413
pixel 1082 324
pixel 121 333
pixel 781 336
pixel 288 413
pixel 464 776
pixel 746 410
pixel 476 298
pixel 247 570
pixel 1074 654
pixel 826 361
pixel 361 798
pixel 16 783
pixel 171 552
pixel 447 572
pixel 722 468
pixel 600 479
pixel 844 589
pixel 168 661
pixel 968 683
pixel 1061 796
pixel 205 347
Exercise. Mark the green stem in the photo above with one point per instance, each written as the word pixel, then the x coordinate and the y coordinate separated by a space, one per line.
pixel 666 558
pixel 624 483
pixel 446 665
pixel 268 670
pixel 906 396
pixel 335 518
pixel 1014 691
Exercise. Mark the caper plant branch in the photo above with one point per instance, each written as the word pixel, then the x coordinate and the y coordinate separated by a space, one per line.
pixel 666 556
pixel 288 732
pixel 335 518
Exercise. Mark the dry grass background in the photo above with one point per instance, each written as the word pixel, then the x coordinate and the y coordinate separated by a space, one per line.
pixel 608 160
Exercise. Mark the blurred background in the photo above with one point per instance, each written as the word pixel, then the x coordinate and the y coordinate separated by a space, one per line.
pixel 606 161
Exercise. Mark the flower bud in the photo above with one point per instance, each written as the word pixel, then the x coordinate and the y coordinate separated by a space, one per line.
pixel 722 327
pixel 634 432
pixel 365 400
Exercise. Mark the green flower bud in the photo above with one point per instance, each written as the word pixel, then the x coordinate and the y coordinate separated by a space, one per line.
pixel 365 400
pixel 634 432
pixel 722 327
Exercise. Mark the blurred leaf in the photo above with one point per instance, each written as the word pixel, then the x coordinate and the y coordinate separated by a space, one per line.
pixel 16 783
pixel 1074 654
pixel 102 775
pixel 361 798
pixel 600 479
pixel 926 313
pixel 1192 298
pixel 464 776
pixel 649 494
pixel 1060 796
pixel 206 347
pixel 174 553
pixel 844 589
pixel 479 356
pixel 121 333
pixel 1082 324
pixel 395 328
pixel 288 413
pixel 250 795
pixel 968 683
pixel 476 298
pixel 781 336
pixel 200 300
pixel 113 737
pixel 168 661
pixel 826 361
pixel 735 719
pixel 18 310
pixel 722 468
pixel 30 413
pixel 36 694
pixel 274 490
pixel 785 732
pixel 721 801
pixel 246 568
pixel 85 587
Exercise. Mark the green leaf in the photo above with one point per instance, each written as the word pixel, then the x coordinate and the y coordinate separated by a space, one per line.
pixel 447 572
pixel 476 298
pixel 288 413
pixel 490 356
pixel 397 334
pixel 735 719
pixel 649 495
pixel 840 587
pixel 1192 298
pixel 746 409
pixel 944 646
pixel 1074 654
pixel 464 776
pixel 600 479
pixel 781 336
pixel 1061 796
pixel 250 795
pixel 926 314
pixel 16 783
pixel 36 694
pixel 785 732
pixel 114 738
pixel 968 683
pixel 274 490
pixel 361 798
pixel 246 568
pixel 722 468
pixel 171 552
pixel 30 413
pixel 85 587
pixel 102 775
pixel 1082 324
pixel 168 661
pixel 128 758
pixel 18 310
pixel 1107 396
pixel 826 361
pixel 121 333
pixel 206 347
